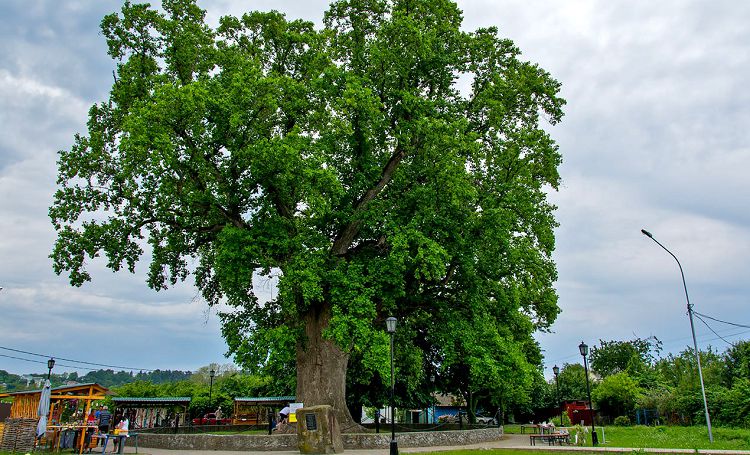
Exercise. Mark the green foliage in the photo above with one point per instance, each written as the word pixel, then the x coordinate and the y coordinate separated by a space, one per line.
pixel 622 421
pixel 616 395
pixel 737 359
pixel 347 162
pixel 578 435
pixel 572 379
pixel 731 407
pixel 633 356
pixel 226 387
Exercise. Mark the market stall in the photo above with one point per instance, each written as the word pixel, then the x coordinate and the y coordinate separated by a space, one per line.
pixel 255 410
pixel 69 406
pixel 153 412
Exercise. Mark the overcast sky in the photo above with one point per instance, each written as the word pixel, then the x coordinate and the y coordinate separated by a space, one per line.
pixel 656 136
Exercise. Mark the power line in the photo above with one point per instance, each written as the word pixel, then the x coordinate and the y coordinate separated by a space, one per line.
pixel 711 329
pixel 74 361
pixel 44 363
pixel 724 322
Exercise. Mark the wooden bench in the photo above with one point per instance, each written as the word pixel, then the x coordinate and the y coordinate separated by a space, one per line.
pixel 551 438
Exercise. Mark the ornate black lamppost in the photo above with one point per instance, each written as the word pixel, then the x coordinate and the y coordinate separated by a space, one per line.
pixel 432 395
pixel 692 329
pixel 584 348
pixel 390 325
pixel 211 375
pixel 50 366
pixel 556 371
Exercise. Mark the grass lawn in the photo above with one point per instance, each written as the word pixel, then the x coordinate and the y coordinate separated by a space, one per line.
pixel 672 437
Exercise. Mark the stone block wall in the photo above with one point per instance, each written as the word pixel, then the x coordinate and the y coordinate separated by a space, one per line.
pixel 289 441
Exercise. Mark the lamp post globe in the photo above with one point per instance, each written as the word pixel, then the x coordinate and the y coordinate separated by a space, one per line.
pixel 584 349
pixel 390 326
pixel 50 366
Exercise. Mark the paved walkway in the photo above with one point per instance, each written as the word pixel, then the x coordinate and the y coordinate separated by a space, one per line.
pixel 510 441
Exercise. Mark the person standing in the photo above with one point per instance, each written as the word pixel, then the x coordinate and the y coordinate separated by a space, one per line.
pixel 122 430
pixel 105 418
pixel 284 414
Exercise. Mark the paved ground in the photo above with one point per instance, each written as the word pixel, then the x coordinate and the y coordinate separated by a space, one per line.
pixel 510 441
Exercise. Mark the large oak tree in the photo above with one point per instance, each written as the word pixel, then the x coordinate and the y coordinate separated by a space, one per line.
pixel 387 164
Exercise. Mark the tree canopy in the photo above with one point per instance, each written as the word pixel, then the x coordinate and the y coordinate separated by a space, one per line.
pixel 389 164
pixel 612 357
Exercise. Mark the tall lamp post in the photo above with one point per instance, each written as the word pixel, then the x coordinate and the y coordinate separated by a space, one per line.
pixel 50 366
pixel 390 325
pixel 584 349
pixel 211 375
pixel 692 329
pixel 432 395
pixel 556 371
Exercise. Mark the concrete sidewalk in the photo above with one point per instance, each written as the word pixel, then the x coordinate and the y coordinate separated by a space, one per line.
pixel 509 441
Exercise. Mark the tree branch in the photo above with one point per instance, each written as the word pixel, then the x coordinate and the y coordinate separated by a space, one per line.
pixel 347 235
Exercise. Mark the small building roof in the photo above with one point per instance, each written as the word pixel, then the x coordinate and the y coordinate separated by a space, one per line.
pixel 259 400
pixel 150 401
pixel 155 400
pixel 66 389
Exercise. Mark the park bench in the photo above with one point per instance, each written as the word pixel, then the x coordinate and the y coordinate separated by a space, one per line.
pixel 551 438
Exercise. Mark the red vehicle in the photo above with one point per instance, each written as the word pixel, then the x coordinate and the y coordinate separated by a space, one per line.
pixel 210 419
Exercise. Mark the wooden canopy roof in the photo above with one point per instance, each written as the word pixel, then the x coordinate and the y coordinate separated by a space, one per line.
pixel 26 402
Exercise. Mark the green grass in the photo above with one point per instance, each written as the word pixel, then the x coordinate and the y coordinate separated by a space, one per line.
pixel 674 437
pixel 671 437
pixel 512 428
pixel 504 452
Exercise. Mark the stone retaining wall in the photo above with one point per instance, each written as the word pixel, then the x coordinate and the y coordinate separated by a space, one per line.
pixel 241 442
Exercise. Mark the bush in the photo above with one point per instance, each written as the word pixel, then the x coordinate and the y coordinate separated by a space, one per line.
pixel 622 421
pixel 565 420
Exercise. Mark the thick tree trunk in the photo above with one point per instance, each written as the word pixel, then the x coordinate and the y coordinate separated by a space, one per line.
pixel 321 370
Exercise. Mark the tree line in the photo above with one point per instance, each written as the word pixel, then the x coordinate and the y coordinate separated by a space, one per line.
pixel 10 382
pixel 627 376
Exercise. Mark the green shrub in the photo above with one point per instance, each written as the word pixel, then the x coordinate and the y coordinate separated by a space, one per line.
pixel 622 421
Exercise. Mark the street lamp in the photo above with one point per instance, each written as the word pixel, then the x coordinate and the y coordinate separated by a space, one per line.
pixel 692 329
pixel 211 375
pixel 556 371
pixel 432 395
pixel 50 366
pixel 584 349
pixel 390 326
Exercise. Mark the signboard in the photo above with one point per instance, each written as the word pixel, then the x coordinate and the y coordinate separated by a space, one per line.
pixel 293 411
pixel 311 422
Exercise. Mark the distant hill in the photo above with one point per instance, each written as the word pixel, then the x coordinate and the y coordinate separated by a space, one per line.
pixel 108 378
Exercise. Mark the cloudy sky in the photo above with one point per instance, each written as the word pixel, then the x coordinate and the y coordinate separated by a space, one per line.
pixel 656 135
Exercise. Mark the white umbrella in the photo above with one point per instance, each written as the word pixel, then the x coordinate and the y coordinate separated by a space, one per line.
pixel 43 409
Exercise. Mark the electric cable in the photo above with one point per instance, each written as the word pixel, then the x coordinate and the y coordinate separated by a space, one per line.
pixel 74 361
pixel 711 329
pixel 44 363
pixel 719 320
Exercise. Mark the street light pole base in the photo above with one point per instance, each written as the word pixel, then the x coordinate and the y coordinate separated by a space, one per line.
pixel 394 447
pixel 594 438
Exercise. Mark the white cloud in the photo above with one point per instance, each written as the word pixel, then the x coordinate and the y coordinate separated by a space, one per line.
pixel 654 136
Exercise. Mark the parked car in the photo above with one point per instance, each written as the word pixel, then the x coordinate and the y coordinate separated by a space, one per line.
pixel 210 419
pixel 486 420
